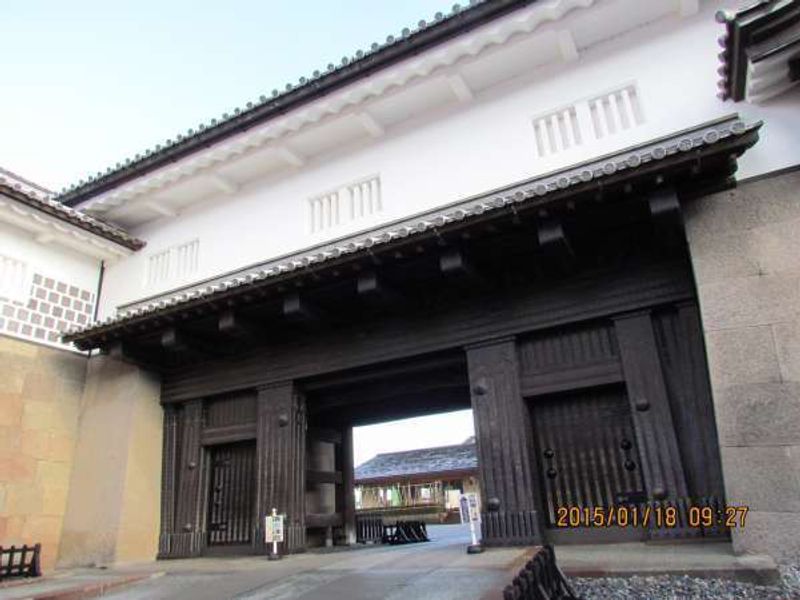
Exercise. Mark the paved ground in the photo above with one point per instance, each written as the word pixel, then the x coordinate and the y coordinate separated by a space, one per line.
pixel 439 569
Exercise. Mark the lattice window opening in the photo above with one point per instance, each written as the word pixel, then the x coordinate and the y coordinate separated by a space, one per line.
pixel 557 131
pixel 616 111
pixel 173 264
pixel 15 279
pixel 352 202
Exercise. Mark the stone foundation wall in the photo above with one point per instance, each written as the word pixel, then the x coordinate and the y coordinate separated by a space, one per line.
pixel 114 504
pixel 40 394
pixel 745 248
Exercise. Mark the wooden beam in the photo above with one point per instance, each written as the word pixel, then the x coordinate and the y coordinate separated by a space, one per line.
pixel 297 308
pixel 233 325
pixel 324 434
pixel 389 392
pixel 176 341
pixel 454 265
pixel 324 520
pixel 128 352
pixel 323 476
pixel 665 212
pixel 554 242
pixel 372 289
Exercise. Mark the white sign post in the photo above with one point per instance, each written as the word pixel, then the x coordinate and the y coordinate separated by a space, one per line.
pixel 273 532
pixel 470 513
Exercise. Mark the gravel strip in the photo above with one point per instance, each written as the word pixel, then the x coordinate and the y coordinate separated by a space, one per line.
pixel 667 587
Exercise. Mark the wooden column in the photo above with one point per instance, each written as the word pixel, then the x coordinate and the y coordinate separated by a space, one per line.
pixel 348 506
pixel 169 480
pixel 188 538
pixel 504 438
pixel 280 460
pixel 652 418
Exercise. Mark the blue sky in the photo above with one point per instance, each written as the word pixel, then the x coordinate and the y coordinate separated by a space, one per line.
pixel 86 83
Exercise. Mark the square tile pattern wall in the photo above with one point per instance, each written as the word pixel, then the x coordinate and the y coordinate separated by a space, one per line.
pixel 52 307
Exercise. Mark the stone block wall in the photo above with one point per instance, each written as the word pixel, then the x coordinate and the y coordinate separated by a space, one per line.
pixel 45 309
pixel 114 502
pixel 745 249
pixel 40 394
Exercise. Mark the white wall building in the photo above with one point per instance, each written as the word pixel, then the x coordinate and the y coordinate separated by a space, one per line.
pixel 488 96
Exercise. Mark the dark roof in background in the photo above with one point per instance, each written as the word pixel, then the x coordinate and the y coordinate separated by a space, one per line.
pixel 34 196
pixel 746 29
pixel 444 459
pixel 351 69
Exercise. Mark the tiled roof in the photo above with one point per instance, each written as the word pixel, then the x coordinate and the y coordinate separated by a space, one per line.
pixel 754 37
pixel 34 196
pixel 410 41
pixel 424 461
pixel 535 190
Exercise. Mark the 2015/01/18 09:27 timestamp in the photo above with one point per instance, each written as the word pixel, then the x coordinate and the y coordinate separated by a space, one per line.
pixel 661 517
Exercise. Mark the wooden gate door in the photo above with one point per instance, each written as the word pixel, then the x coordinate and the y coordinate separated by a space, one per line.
pixel 231 493
pixel 588 458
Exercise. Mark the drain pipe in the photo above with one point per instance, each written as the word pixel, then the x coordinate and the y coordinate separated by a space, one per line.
pixel 97 296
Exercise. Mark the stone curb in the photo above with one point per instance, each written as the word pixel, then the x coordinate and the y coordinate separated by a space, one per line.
pixel 757 575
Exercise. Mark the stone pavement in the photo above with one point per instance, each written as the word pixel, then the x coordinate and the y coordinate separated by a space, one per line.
pixel 438 569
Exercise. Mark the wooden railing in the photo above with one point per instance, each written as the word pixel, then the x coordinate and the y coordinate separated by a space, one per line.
pixel 20 562
pixel 369 528
pixel 540 579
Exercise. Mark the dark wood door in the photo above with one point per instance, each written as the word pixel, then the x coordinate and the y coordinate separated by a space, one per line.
pixel 231 493
pixel 588 457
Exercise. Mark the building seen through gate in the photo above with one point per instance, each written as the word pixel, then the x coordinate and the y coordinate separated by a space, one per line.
pixel 539 211
pixel 426 482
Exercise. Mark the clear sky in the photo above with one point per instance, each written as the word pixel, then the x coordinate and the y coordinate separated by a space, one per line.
pixel 87 83
pixel 422 432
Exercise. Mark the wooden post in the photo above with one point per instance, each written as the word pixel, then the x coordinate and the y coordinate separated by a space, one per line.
pixel 504 438
pixel 188 538
pixel 169 482
pixel 348 485
pixel 280 460
pixel 652 418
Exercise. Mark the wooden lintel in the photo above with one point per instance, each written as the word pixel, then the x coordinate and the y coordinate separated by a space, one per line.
pixel 325 434
pixel 324 520
pixel 323 476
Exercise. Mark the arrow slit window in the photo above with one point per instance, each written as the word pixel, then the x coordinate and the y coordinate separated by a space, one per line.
pixel 349 203
pixel 174 264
